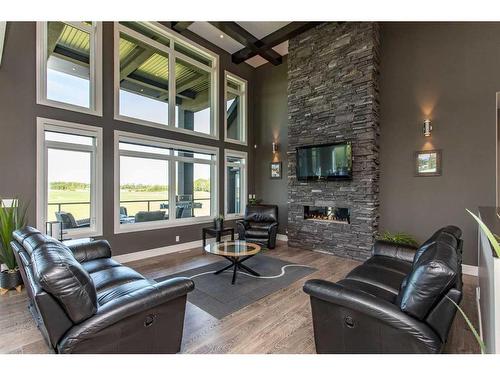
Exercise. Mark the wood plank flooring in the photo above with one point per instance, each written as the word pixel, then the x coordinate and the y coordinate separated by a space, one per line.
pixel 278 323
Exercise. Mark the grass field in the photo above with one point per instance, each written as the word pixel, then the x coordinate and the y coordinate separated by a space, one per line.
pixel 82 211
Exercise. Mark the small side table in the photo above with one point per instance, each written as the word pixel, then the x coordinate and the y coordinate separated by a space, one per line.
pixel 217 233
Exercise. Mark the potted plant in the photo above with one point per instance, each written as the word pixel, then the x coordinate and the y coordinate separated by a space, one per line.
pixel 219 222
pixel 254 201
pixel 12 217
pixel 399 238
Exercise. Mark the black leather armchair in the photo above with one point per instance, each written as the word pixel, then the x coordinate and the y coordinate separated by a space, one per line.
pixel 398 301
pixel 85 302
pixel 260 225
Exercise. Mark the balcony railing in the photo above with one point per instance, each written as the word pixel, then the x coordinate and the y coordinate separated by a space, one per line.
pixel 195 203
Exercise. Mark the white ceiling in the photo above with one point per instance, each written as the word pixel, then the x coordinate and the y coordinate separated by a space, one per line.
pixel 257 29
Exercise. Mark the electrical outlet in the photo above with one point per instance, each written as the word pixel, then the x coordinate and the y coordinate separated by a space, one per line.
pixel 177 238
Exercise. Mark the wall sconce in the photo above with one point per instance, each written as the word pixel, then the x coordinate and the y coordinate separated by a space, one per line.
pixel 427 128
pixel 275 147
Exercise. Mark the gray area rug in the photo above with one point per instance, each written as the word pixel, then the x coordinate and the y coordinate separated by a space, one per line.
pixel 217 296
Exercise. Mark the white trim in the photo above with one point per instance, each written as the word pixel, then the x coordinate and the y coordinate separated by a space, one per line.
pixel 470 270
pixel 166 143
pixel 44 124
pixel 145 254
pixel 95 68
pixel 172 56
pixel 282 237
pixel 3 28
pixel 244 188
pixel 244 107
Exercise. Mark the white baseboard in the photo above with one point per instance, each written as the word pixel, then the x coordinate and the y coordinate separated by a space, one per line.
pixel 470 270
pixel 139 255
pixel 282 237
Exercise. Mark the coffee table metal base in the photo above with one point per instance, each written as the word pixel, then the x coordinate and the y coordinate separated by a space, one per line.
pixel 236 264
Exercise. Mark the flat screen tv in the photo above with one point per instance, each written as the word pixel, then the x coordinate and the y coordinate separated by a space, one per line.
pixel 328 162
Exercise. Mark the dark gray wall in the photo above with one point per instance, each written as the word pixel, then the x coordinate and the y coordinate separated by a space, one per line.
pixel 271 125
pixel 18 112
pixel 450 73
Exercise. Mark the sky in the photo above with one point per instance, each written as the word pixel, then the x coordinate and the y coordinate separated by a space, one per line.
pixel 75 166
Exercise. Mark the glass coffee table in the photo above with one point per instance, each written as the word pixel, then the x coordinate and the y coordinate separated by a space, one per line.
pixel 236 252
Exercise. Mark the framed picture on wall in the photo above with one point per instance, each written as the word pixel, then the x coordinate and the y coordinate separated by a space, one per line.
pixel 428 163
pixel 275 169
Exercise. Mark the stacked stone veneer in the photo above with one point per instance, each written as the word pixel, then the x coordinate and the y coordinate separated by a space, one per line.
pixel 333 96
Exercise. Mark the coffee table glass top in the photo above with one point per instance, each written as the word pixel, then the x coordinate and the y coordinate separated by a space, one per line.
pixel 233 248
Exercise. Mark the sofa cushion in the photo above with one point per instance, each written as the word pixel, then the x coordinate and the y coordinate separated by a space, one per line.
pixel 265 226
pixel 369 288
pixel 378 276
pixel 261 213
pixel 390 264
pixel 440 236
pixel 433 274
pixel 120 290
pixel 21 234
pixel 100 264
pixel 59 274
pixel 114 276
pixel 32 242
pixel 256 233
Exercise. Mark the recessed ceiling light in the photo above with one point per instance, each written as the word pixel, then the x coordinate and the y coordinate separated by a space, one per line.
pixel 74 68
pixel 221 36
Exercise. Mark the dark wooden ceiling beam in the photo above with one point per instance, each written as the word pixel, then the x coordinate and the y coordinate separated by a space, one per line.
pixel 268 42
pixel 242 36
pixel 180 27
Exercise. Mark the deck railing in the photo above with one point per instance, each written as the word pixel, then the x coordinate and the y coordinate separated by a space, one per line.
pixel 148 202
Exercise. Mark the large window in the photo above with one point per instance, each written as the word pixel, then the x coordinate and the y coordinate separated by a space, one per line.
pixel 235 117
pixel 236 183
pixel 69 177
pixel 69 65
pixel 162 183
pixel 162 80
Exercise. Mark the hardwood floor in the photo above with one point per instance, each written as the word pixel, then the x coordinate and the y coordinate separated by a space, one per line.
pixel 278 323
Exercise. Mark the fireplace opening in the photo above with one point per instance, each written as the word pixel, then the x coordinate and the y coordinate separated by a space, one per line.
pixel 333 214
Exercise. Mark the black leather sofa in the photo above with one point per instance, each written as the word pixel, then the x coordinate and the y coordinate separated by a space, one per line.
pixel 83 301
pixel 396 302
pixel 259 225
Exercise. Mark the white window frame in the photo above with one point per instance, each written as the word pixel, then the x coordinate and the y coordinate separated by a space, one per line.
pixel 95 32
pixel 172 56
pixel 44 124
pixel 244 173
pixel 244 107
pixel 172 221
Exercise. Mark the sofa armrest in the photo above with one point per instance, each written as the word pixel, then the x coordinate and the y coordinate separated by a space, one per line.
pixel 241 227
pixel 385 313
pixel 123 307
pixel 243 223
pixel 392 250
pixel 85 251
pixel 273 227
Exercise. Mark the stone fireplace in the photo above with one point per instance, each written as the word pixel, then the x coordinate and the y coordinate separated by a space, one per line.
pixel 333 97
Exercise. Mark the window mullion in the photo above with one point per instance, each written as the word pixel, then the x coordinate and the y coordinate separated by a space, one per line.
pixel 171 90
pixel 172 207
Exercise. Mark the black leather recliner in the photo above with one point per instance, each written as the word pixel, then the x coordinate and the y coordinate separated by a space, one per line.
pixel 83 301
pixel 398 301
pixel 260 225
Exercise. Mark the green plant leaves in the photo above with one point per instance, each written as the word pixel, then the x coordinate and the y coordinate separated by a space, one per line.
pixel 398 238
pixel 489 234
pixel 476 335
pixel 11 218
